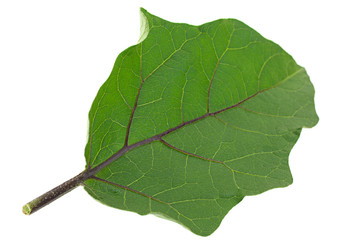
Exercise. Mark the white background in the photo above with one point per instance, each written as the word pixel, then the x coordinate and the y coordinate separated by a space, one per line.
pixel 54 55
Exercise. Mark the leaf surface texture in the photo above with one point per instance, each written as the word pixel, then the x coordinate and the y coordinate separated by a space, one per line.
pixel 200 116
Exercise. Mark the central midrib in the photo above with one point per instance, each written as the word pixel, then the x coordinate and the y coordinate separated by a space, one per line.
pixel 127 148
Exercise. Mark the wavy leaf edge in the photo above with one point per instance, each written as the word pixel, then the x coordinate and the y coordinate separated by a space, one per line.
pixel 94 169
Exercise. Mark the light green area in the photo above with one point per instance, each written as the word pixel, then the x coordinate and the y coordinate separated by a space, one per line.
pixel 26 209
pixel 216 161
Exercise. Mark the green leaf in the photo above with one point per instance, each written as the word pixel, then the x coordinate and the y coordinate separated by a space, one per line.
pixel 194 118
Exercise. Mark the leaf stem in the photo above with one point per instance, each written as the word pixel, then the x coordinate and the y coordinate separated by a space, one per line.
pixel 54 194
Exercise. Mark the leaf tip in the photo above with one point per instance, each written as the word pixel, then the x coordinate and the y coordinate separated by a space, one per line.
pixel 144 24
pixel 143 10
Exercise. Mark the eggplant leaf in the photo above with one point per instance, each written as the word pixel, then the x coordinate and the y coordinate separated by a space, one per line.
pixel 194 118
pixel 216 109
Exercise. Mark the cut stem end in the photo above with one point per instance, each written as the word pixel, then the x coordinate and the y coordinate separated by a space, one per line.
pixel 53 194
pixel 26 209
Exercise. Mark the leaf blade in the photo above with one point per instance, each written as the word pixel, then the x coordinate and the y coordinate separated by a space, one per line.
pixel 195 131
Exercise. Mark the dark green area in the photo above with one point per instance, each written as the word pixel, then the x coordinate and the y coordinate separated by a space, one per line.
pixel 251 100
